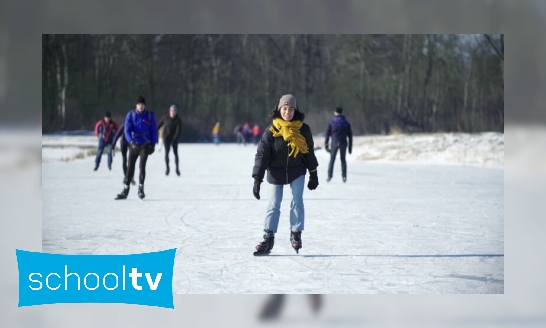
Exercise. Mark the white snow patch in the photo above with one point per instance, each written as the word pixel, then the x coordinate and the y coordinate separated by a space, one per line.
pixel 479 149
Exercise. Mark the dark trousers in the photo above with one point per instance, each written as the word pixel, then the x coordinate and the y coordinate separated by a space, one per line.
pixel 168 143
pixel 342 151
pixel 124 147
pixel 135 152
pixel 108 147
pixel 241 138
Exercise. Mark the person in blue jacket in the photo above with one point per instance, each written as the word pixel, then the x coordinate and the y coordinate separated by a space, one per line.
pixel 140 130
pixel 340 131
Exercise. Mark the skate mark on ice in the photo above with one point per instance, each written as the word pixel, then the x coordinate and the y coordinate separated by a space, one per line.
pixel 201 242
pixel 482 279
pixel 108 244
pixel 168 216
pixel 178 251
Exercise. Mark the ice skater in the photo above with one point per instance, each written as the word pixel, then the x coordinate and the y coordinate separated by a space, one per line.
pixel 105 130
pixel 172 125
pixel 238 132
pixel 141 132
pixel 340 130
pixel 246 130
pixel 286 151
pixel 216 133
pixel 256 133
pixel 123 147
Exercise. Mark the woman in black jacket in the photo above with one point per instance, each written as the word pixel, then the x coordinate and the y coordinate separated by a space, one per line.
pixel 286 151
pixel 172 125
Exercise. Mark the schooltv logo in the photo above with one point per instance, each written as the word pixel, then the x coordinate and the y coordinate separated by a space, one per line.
pixel 143 279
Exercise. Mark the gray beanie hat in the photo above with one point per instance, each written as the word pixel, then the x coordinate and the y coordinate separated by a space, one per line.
pixel 287 100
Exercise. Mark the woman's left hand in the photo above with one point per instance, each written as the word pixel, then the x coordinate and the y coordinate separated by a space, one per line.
pixel 313 181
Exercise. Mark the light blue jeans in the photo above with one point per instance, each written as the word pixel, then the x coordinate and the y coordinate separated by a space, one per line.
pixel 297 212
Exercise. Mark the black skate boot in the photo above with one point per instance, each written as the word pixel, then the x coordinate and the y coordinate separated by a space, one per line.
pixel 265 247
pixel 124 193
pixel 344 179
pixel 167 171
pixel 141 192
pixel 177 171
pixel 295 239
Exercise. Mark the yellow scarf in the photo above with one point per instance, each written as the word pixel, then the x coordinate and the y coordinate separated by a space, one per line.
pixel 290 131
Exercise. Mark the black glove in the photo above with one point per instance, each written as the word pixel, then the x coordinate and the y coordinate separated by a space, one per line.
pixel 133 145
pixel 256 189
pixel 327 148
pixel 151 149
pixel 350 149
pixel 313 180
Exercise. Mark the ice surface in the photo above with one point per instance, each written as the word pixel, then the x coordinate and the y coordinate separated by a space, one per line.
pixel 392 228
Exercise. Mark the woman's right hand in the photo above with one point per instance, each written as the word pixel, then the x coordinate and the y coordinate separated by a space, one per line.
pixel 256 189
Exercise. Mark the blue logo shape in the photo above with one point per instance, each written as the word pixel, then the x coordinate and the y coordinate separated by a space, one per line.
pixel 143 279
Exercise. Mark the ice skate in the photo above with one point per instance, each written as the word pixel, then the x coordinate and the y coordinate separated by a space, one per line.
pixel 124 193
pixel 295 239
pixel 265 247
pixel 141 194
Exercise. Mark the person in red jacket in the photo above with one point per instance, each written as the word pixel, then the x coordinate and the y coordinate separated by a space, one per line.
pixel 105 130
pixel 257 133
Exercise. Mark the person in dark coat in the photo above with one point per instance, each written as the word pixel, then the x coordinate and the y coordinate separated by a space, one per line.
pixel 105 129
pixel 172 125
pixel 238 131
pixel 286 152
pixel 141 132
pixel 124 147
pixel 340 131
pixel 247 131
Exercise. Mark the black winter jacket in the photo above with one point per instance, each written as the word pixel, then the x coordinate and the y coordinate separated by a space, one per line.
pixel 272 155
pixel 171 127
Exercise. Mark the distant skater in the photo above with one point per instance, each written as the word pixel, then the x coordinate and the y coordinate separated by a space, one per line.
pixel 216 133
pixel 105 130
pixel 172 125
pixel 257 133
pixel 340 131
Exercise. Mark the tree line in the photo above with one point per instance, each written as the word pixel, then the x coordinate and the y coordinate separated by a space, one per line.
pixel 385 83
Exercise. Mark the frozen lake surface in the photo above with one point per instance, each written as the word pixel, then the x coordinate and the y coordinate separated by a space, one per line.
pixel 394 227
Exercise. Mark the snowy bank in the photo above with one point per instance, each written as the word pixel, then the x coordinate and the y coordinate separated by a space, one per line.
pixel 477 149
